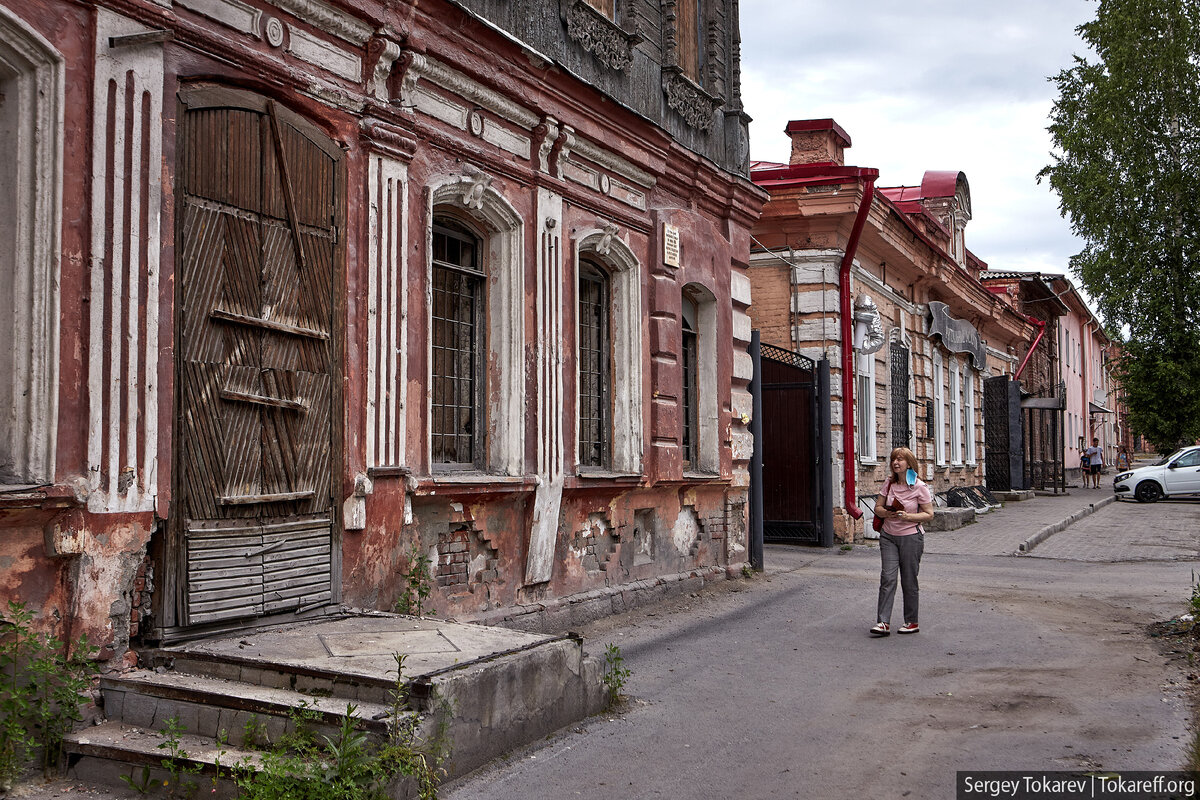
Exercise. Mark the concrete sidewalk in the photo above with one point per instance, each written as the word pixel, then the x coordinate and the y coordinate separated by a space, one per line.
pixel 1028 522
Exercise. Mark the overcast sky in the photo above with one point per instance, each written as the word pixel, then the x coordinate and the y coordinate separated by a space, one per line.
pixel 923 85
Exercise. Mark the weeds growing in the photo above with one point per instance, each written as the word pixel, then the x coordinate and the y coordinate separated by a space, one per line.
pixel 42 685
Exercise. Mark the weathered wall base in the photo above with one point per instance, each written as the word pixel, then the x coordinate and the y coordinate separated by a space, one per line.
pixel 563 613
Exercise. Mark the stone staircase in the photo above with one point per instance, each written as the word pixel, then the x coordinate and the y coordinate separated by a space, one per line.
pixel 225 714
pixel 481 691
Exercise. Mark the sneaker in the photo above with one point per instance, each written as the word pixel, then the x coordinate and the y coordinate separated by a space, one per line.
pixel 881 629
pixel 909 627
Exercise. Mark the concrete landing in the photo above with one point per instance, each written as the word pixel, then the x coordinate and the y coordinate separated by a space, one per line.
pixel 483 690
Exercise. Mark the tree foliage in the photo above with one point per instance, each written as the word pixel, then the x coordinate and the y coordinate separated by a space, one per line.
pixel 1126 129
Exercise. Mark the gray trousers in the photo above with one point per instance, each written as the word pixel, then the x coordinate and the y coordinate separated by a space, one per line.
pixel 901 554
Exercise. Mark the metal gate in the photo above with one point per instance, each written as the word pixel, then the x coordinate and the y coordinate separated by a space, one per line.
pixel 1042 423
pixel 260 198
pixel 791 485
pixel 1004 457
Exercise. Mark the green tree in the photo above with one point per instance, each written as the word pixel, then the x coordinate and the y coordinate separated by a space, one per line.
pixel 1126 167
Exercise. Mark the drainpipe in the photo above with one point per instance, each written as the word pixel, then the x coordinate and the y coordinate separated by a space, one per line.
pixel 1041 326
pixel 848 416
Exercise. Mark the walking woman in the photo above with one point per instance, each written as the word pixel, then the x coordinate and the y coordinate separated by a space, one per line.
pixel 902 539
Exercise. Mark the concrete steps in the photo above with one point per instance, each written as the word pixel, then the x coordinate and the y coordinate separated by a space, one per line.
pixel 483 691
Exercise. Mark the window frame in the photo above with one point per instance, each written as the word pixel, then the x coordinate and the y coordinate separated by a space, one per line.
pixel 956 415
pixel 593 273
pixel 865 412
pixel 445 225
pixel 939 414
pixel 969 412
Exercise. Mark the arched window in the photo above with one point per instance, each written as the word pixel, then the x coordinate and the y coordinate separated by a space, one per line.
pixel 689 358
pixel 608 363
pixel 699 395
pixel 595 367
pixel 457 346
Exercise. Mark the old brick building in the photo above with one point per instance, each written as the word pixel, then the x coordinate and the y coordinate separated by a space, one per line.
pixel 828 241
pixel 299 286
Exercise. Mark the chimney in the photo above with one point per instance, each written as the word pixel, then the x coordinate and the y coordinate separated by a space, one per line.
pixel 817 141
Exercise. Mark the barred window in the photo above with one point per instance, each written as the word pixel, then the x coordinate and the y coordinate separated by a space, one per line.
pixel 690 353
pixel 595 367
pixel 458 285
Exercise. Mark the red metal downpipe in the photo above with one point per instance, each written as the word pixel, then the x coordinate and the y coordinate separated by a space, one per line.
pixel 848 415
pixel 1041 326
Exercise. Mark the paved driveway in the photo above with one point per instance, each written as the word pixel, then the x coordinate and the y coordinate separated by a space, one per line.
pixel 772 688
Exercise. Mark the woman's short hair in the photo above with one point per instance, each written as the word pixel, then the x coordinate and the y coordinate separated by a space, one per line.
pixel 903 452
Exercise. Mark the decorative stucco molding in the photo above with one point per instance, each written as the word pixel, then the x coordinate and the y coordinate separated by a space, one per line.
pixel 544 136
pixel 599 35
pixel 688 100
pixel 382 52
pixel 31 202
pixel 427 68
pixel 612 162
pixel 329 19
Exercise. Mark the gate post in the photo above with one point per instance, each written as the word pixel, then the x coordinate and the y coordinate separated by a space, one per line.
pixel 756 488
pixel 824 450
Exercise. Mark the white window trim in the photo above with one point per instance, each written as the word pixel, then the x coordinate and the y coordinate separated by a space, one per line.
pixel 939 414
pixel 969 402
pixel 625 331
pixel 35 244
pixel 708 449
pixel 867 439
pixel 503 253
pixel 956 421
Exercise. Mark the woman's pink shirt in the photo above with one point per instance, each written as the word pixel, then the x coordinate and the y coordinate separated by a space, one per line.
pixel 912 497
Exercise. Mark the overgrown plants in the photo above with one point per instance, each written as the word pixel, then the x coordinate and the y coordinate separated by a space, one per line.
pixel 301 765
pixel 42 685
pixel 615 673
pixel 418 584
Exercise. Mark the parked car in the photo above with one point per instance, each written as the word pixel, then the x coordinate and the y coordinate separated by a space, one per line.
pixel 1177 475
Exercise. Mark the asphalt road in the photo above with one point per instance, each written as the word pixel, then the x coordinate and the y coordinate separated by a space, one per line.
pixel 771 688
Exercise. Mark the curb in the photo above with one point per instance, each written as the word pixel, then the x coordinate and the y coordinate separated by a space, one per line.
pixel 1048 531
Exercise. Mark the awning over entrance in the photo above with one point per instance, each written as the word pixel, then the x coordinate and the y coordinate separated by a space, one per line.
pixel 1098 409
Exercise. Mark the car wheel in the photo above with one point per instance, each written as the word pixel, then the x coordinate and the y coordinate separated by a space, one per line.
pixel 1148 492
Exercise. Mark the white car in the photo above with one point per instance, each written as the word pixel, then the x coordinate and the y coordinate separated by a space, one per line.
pixel 1177 475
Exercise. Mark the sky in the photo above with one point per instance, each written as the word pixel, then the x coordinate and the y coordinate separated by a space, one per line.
pixel 921 85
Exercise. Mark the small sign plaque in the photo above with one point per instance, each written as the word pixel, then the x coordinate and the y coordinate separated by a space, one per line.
pixel 670 245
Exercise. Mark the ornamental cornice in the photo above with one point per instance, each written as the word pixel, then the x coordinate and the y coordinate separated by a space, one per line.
pixel 695 105
pixel 454 81
pixel 611 161
pixel 329 19
pixel 598 35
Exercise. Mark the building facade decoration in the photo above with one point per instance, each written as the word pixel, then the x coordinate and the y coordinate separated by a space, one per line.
pixel 404 270
pixel 599 36
pixel 957 335
pixel 925 389
pixel 696 106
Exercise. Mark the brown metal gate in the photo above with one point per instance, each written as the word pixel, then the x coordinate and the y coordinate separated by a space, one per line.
pixel 260 198
pixel 789 441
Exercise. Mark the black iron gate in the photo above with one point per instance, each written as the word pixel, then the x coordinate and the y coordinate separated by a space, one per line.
pixel 1002 424
pixel 794 473
pixel 1042 424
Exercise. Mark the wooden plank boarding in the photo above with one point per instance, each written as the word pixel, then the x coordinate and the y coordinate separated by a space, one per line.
pixel 258 365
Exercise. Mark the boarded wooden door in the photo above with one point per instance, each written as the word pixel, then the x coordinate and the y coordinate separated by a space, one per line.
pixel 259 204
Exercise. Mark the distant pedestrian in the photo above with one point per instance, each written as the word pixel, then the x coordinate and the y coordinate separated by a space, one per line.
pixel 902 539
pixel 1123 460
pixel 1095 457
